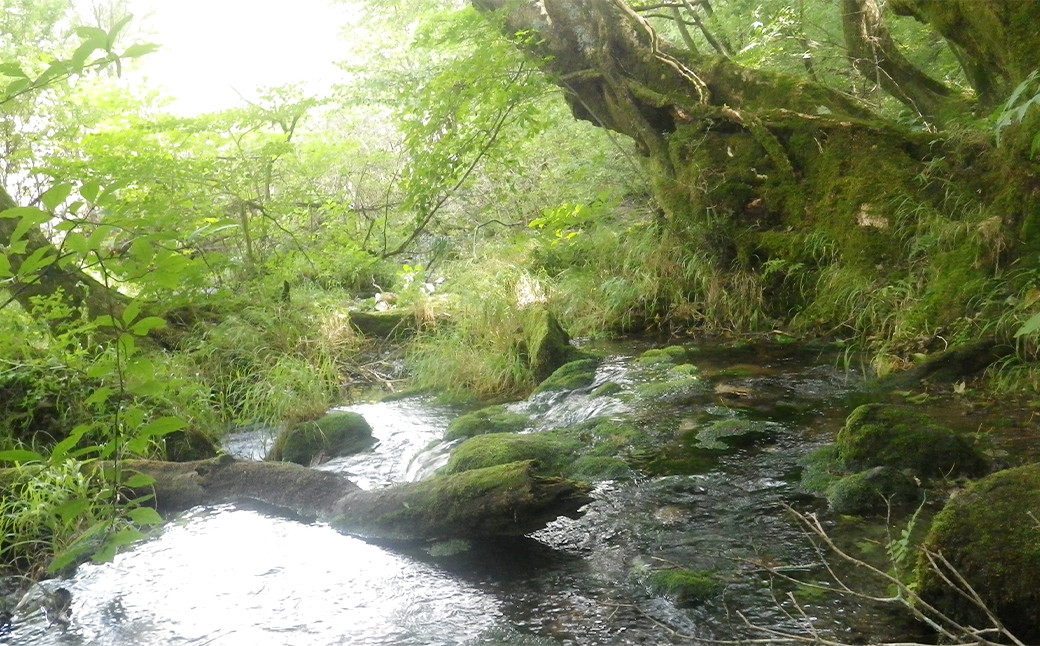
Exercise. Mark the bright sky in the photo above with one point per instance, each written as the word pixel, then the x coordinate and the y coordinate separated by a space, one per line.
pixel 211 48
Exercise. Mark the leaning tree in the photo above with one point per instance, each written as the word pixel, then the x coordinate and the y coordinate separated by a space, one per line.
pixel 828 199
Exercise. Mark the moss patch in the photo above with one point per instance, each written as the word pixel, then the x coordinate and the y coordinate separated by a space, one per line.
pixel 991 535
pixel 336 434
pixel 493 419
pixel 872 491
pixel 883 435
pixel 553 451
pixel 684 587
pixel 670 354
pixel 571 376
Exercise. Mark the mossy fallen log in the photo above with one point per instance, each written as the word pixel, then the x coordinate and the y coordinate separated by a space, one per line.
pixel 507 500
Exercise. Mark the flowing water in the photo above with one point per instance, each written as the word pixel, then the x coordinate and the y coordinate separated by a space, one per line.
pixel 243 574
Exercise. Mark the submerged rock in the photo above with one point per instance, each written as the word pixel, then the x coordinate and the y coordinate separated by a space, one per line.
pixel 990 534
pixel 336 434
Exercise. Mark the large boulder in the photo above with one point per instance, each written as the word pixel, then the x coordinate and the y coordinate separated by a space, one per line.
pixel 336 434
pixel 991 534
pixel 384 325
pixel 881 435
pixel 548 344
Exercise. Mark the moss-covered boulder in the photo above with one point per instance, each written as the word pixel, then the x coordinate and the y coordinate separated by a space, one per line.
pixel 991 534
pixel 872 491
pixel 548 344
pixel 891 436
pixel 727 434
pixel 553 451
pixel 493 419
pixel 571 376
pixel 336 434
pixel 684 587
pixel 677 385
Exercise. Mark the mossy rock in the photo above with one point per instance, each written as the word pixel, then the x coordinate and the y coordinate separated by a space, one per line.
pixel 872 491
pixel 990 534
pixel 548 345
pixel 570 376
pixel 670 354
pixel 553 451
pixel 684 587
pixel 891 436
pixel 190 444
pixel 384 325
pixel 821 469
pixel 493 419
pixel 727 434
pixel 596 468
pixel 680 384
pixel 607 389
pixel 336 434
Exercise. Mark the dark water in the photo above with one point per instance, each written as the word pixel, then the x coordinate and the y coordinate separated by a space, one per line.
pixel 241 575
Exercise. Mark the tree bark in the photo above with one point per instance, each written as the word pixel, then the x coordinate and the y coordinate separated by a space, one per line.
pixel 509 500
pixel 995 41
pixel 876 56
pixel 81 289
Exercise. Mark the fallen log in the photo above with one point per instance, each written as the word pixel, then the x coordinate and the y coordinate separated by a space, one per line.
pixel 507 500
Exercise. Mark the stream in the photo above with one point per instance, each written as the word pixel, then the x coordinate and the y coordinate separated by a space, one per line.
pixel 243 574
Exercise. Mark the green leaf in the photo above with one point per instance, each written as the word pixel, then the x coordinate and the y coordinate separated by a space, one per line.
pixel 88 32
pixel 36 261
pixel 139 481
pixel 13 70
pixel 16 87
pixel 89 191
pixel 61 449
pixel 162 426
pixel 145 516
pixel 106 320
pixel 56 195
pixel 132 311
pixel 20 455
pixel 83 52
pixel 118 27
pixel 140 49
pixel 30 217
pixel 1030 326
pixel 99 396
pixel 72 509
pixel 147 324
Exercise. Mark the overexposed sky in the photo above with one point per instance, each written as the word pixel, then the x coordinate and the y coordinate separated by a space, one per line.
pixel 211 48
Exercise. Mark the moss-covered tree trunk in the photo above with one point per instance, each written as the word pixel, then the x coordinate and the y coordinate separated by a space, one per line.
pixel 780 178
pixel 509 500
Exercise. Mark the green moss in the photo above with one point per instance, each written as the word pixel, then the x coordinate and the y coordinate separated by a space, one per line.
pixel 570 376
pixel 548 344
pixel 872 491
pixel 821 469
pixel 594 468
pixel 670 354
pixel 339 433
pixel 678 385
pixel 607 389
pixel 493 419
pixel 883 435
pixel 990 534
pixel 553 451
pixel 685 587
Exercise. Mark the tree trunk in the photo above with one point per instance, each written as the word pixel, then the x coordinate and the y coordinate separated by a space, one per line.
pixel 79 288
pixel 509 500
pixel 758 170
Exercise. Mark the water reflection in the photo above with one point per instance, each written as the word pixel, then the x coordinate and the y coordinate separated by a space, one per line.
pixel 233 575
